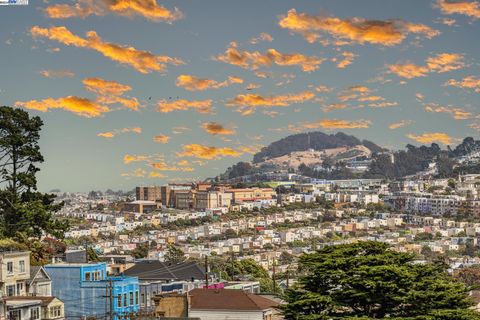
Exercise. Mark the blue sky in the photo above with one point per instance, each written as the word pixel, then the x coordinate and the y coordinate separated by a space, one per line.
pixel 412 78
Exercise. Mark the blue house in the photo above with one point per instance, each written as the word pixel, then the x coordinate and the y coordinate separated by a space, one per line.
pixel 86 290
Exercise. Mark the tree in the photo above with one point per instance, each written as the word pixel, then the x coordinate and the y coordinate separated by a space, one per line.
pixel 23 210
pixel 140 251
pixel 174 254
pixel 369 280
pixel 286 258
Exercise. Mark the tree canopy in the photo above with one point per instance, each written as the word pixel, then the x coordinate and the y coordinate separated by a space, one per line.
pixel 368 280
pixel 24 212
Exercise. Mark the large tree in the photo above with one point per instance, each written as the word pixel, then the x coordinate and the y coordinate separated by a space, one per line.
pixel 368 280
pixel 24 212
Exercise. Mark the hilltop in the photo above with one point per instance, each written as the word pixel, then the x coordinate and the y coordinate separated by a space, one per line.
pixel 342 156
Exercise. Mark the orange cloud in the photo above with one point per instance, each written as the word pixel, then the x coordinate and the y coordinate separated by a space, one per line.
pixel 469 82
pixel 162 166
pixel 386 33
pixel 322 88
pixel 246 103
pixel 432 137
pixel 149 9
pixel 468 8
pixel 193 83
pixel 359 93
pixel 348 58
pixel 113 133
pixel 80 106
pixel 255 59
pixel 408 70
pixel 334 106
pixel 456 113
pixel 400 124
pixel 439 63
pixel 142 61
pixel 161 138
pixel 129 158
pixel 57 73
pixel 154 174
pixel 108 135
pixel 137 173
pixel 338 124
pixel 445 62
pixel 206 152
pixel 262 37
pixel 110 92
pixel 201 106
pixel 217 129
pixel 104 87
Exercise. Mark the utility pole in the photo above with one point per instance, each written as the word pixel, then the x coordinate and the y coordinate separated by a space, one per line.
pixel 110 284
pixel 206 272
pixel 274 280
pixel 233 265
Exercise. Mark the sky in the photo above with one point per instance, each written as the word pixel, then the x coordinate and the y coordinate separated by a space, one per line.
pixel 146 92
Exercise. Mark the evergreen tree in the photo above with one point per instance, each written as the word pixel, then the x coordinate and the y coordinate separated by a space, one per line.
pixel 368 280
pixel 24 212
pixel 174 255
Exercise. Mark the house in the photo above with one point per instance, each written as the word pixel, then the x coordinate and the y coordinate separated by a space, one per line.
pixel 88 292
pixel 16 308
pixel 39 283
pixel 14 272
pixel 156 277
pixel 223 304
pixel 33 308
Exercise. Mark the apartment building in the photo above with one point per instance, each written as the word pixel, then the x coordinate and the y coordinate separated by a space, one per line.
pixel 252 194
pixel 14 272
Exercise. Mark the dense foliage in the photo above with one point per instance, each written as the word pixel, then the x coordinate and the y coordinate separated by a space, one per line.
pixel 24 212
pixel 368 280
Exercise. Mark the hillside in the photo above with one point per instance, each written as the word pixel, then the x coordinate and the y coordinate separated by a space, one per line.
pixel 312 140
pixel 304 153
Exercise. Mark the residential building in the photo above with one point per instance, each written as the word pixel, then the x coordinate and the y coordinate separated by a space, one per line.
pixel 88 292
pixel 39 283
pixel 156 277
pixel 14 272
pixel 231 304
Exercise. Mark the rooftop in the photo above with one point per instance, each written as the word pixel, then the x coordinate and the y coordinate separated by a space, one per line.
pixel 228 299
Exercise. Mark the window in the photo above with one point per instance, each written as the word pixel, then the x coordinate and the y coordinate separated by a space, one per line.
pixel 142 302
pixel 35 313
pixel 15 315
pixel 136 297
pixel 9 267
pixel 21 264
pixel 56 312
pixel 19 288
pixel 131 299
pixel 125 301
pixel 119 300
pixel 87 276
pixel 10 290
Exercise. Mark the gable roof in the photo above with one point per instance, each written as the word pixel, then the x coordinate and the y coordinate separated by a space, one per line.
pixel 156 270
pixel 34 271
pixel 228 299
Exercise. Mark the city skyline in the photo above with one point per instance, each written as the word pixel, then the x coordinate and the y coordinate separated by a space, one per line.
pixel 147 92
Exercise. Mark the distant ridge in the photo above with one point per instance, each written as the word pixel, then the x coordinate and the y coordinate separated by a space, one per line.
pixel 311 140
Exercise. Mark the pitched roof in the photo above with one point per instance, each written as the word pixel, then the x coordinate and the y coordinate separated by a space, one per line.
pixel 44 300
pixel 157 270
pixel 228 299
pixel 34 270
